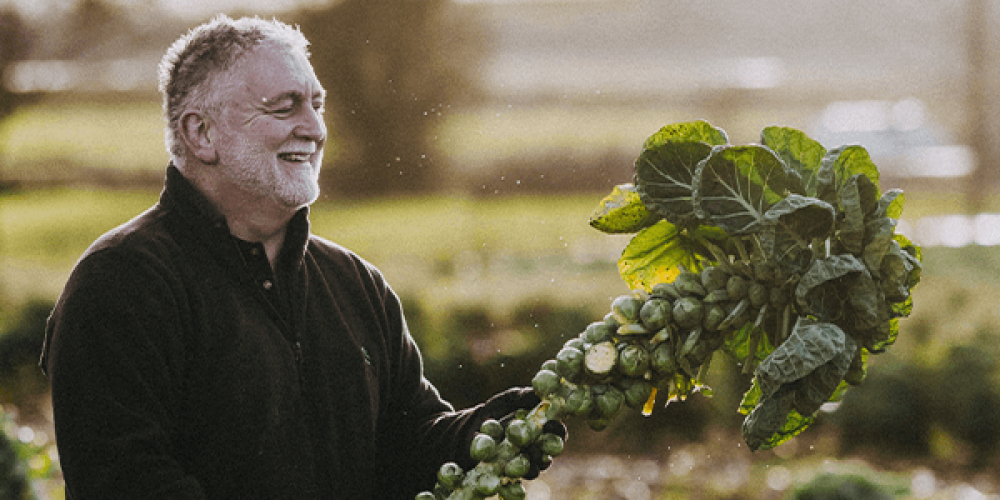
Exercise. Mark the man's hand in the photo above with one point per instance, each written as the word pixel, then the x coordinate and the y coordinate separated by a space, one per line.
pixel 502 407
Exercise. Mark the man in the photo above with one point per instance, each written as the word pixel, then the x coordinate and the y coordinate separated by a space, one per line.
pixel 212 348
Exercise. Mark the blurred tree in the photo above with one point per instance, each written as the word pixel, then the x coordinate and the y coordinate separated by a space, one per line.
pixel 90 23
pixel 391 68
pixel 14 43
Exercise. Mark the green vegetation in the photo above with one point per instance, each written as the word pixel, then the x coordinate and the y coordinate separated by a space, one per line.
pixel 45 140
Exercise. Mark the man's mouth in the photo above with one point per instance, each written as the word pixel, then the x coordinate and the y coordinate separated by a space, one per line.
pixel 295 157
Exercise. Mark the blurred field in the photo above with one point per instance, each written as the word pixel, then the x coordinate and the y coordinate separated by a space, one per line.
pixel 53 139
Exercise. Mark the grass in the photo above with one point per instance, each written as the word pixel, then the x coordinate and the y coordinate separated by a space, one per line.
pixel 127 136
pixel 441 249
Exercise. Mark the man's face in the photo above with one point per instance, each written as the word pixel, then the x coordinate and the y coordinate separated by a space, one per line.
pixel 271 133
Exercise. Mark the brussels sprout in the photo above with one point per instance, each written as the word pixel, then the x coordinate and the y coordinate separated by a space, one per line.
pixel 517 467
pixel 609 402
pixel 506 451
pixel 487 484
pixel 737 287
pixel 716 296
pixel 738 317
pixel 655 314
pixel 778 298
pixel 512 491
pixel 549 364
pixel 483 448
pixel 633 360
pixel 550 444
pixel 450 475
pixel 758 294
pixel 661 336
pixel 611 322
pixel 632 329
pixel 521 414
pixel 688 312
pixel 598 331
pixel 714 278
pixel 598 424
pixel 637 393
pixel 545 382
pixel 662 360
pixel 714 317
pixel 493 429
pixel 518 433
pixel 576 343
pixel 600 359
pixel 625 309
pixel 689 343
pixel 569 362
pixel 666 291
pixel 763 271
pixel 579 401
pixel 689 284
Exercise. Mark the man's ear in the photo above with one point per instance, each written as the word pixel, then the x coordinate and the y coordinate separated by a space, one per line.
pixel 196 130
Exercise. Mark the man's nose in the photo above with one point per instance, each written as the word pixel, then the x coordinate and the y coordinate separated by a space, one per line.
pixel 311 126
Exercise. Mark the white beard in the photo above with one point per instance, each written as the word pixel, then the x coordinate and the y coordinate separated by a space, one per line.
pixel 263 174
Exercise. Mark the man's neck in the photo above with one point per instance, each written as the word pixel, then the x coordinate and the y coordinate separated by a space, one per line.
pixel 249 218
pixel 255 226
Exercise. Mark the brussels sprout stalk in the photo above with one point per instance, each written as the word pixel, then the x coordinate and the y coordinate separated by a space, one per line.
pixel 736 251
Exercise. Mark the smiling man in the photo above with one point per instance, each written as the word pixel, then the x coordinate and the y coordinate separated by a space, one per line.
pixel 212 347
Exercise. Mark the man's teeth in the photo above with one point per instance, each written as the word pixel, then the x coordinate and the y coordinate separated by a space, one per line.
pixel 297 157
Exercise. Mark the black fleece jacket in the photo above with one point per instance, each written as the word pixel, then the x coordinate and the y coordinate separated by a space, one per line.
pixel 182 368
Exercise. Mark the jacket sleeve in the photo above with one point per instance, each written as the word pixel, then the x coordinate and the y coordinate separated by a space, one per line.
pixel 424 430
pixel 114 356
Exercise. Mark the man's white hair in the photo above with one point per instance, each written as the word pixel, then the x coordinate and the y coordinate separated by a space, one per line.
pixel 192 72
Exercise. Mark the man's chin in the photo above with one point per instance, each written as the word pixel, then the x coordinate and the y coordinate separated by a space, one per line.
pixel 301 197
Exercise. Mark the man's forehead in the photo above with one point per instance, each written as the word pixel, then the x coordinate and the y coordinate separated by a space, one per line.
pixel 274 72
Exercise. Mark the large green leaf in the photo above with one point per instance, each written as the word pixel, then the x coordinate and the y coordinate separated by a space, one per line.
pixel 877 241
pixel 900 272
pixel 798 151
pixel 838 165
pixel 751 399
pixel 890 204
pixel 856 199
pixel 811 345
pixel 665 168
pixel 653 254
pixel 824 288
pixel 696 131
pixel 622 211
pixel 664 174
pixel 805 217
pixel 739 343
pixel 789 228
pixel 794 381
pixel 867 307
pixel 774 421
pixel 736 185
pixel 821 385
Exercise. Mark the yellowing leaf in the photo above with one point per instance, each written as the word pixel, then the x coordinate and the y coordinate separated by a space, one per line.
pixel 622 211
pixel 653 254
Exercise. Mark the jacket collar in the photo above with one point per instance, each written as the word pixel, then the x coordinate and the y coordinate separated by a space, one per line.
pixel 207 222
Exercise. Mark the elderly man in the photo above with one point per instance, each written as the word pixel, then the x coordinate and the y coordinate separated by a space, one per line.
pixel 212 348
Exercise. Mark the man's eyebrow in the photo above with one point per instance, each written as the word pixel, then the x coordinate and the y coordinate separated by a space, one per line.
pixel 294 96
